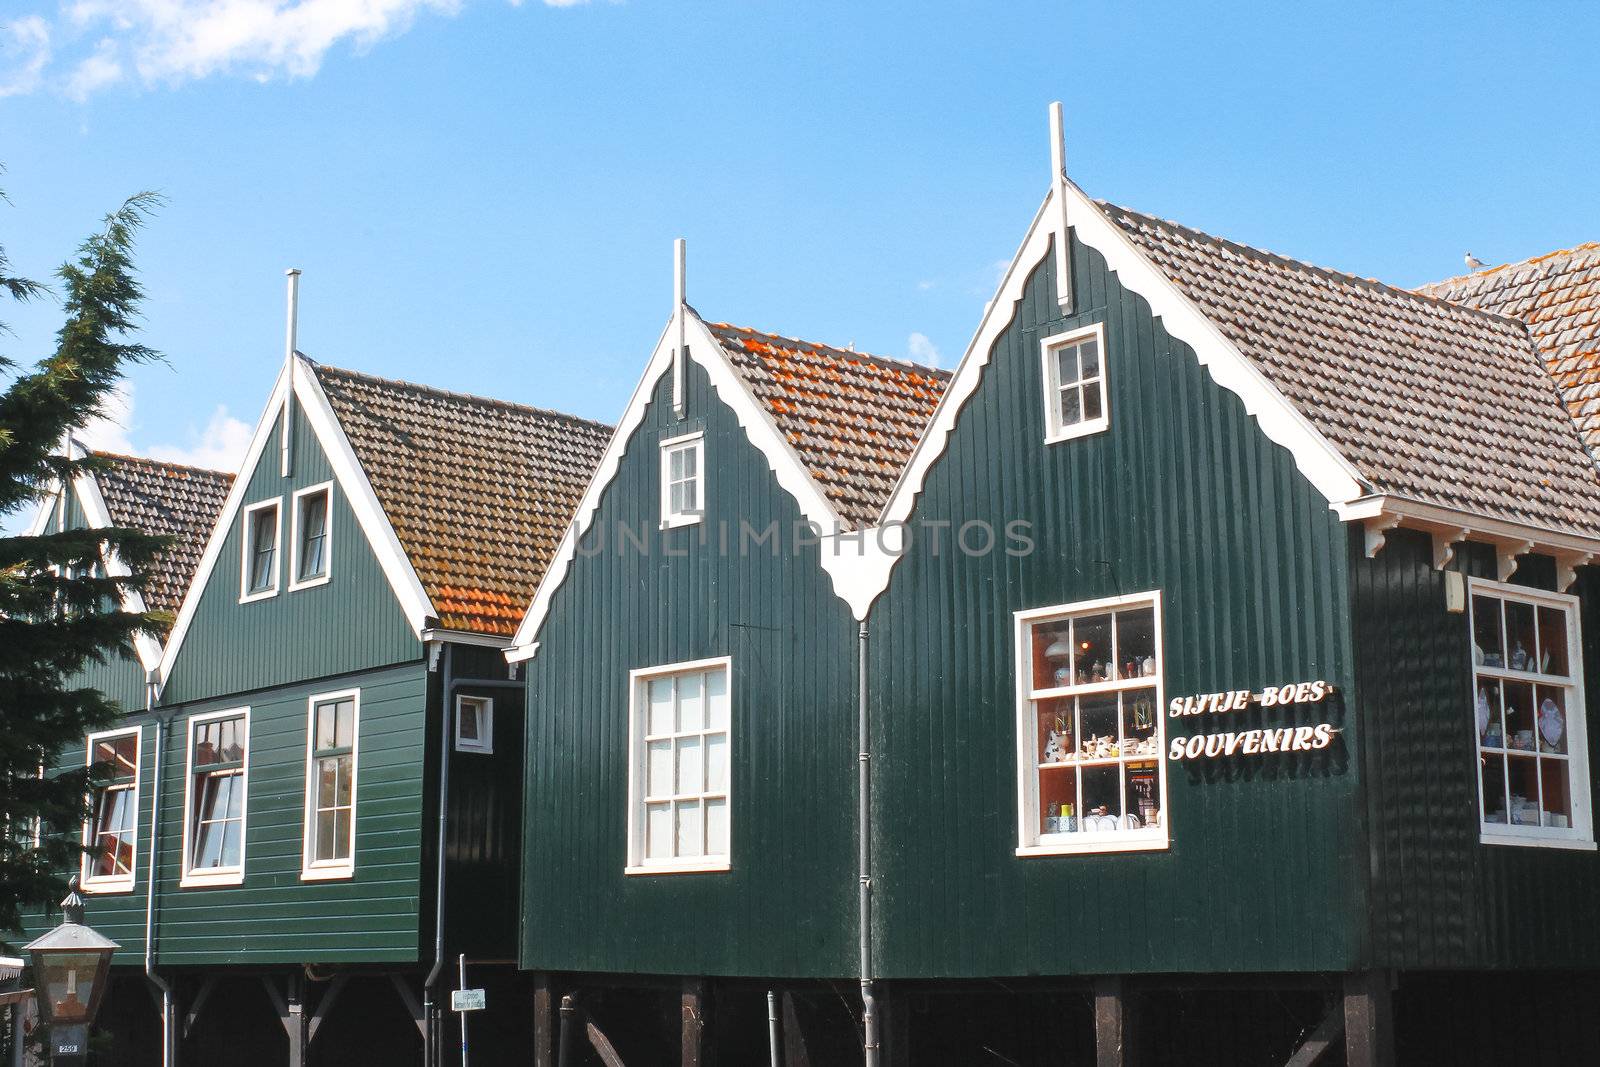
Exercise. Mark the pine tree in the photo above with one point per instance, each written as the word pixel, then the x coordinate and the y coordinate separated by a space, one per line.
pixel 59 609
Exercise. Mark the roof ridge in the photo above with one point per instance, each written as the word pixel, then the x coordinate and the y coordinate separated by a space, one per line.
pixel 1343 277
pixel 152 461
pixel 870 357
pixel 451 394
pixel 1478 275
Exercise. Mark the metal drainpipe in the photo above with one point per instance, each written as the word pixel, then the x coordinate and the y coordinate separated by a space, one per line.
pixel 433 1050
pixel 169 1050
pixel 869 994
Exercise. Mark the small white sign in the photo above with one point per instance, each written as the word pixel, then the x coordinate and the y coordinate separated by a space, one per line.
pixel 467 1000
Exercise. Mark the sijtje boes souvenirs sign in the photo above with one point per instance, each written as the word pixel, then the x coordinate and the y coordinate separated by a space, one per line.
pixel 1251 742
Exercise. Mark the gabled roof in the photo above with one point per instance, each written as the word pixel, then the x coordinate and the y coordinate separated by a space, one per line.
pixel 853 419
pixel 1558 296
pixel 1429 401
pixel 478 491
pixel 169 500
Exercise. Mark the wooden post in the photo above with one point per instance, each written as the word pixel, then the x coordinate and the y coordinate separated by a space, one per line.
pixel 1113 1023
pixel 696 1005
pixel 1368 1020
pixel 896 1026
pixel 544 1045
pixel 795 1053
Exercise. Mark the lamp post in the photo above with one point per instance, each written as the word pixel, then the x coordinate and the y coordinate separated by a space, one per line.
pixel 70 967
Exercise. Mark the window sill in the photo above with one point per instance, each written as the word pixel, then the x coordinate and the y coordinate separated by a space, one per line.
pixel 327 874
pixel 1081 429
pixel 201 879
pixel 251 598
pixel 474 750
pixel 105 887
pixel 1576 844
pixel 309 583
pixel 672 522
pixel 686 867
pixel 1098 843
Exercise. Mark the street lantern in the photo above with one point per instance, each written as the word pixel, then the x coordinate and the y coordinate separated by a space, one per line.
pixel 70 968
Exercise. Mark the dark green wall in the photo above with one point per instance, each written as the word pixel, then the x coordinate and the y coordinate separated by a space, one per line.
pixel 1442 899
pixel 1182 494
pixel 786 908
pixel 350 623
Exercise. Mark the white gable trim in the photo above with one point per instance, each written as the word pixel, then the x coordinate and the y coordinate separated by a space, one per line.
pixel 351 478
pixel 840 556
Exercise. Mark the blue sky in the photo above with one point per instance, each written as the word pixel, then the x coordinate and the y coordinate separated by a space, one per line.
pixel 483 194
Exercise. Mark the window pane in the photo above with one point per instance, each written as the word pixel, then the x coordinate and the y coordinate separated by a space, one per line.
pixel 325 835
pixel 341 794
pixel 676 464
pixel 1493 768
pixel 118 754
pixel 1089 358
pixel 1092 642
pixel 660 769
pixel 468 728
pixel 1143 806
pixel 1091 401
pixel 1489 650
pixel 1521 645
pixel 1552 641
pixel 689 766
pixel 341 829
pixel 691 461
pixel 345 724
pixel 717 827
pixel 313 534
pixel 1058 800
pixel 658 831
pixel 231 786
pixel 1486 714
pixel 1524 782
pixel 233 833
pixel 691 495
pixel 1557 793
pixel 717 706
pixel 1071 415
pixel 1136 643
pixel 660 706
pixel 1552 728
pixel 1519 716
pixel 327 782
pixel 691 714
pixel 716 763
pixel 1102 802
pixel 1052 654
pixel 691 833
pixel 263 547
pixel 1097 727
pixel 1140 714
pixel 1066 365
pixel 1058 738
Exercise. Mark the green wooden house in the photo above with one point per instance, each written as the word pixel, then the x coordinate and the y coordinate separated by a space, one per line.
pixel 335 742
pixel 1224 637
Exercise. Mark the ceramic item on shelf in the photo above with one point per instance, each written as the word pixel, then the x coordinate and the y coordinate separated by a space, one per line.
pixel 1551 724
pixel 1483 711
pixel 1544 662
pixel 1477 654
pixel 1147 667
pixel 1052 748
pixel 1523 740
pixel 1060 648
pixel 1494 737
pixel 1062 675
pixel 1558 820
pixel 1519 658
pixel 1129 821
pixel 1097 673
pixel 1492 659
pixel 1144 714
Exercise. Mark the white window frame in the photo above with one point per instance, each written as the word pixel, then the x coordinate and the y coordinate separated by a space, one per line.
pixel 214 876
pixel 1029 841
pixel 638 680
pixel 1054 431
pixel 247 550
pixel 1580 835
pixel 684 442
pixel 327 538
pixel 312 869
pixel 484 743
pixel 119 883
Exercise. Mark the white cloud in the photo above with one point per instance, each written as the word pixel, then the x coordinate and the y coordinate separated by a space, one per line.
pixel 220 445
pixel 169 42
pixel 927 284
pixel 921 349
pixel 24 53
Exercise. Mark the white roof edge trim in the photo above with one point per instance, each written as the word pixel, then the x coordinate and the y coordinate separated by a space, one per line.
pixel 706 351
pixel 1477 525
pixel 99 516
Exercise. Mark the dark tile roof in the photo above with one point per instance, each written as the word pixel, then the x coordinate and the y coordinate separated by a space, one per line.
pixel 1558 296
pixel 169 500
pixel 479 491
pixel 1426 399
pixel 854 419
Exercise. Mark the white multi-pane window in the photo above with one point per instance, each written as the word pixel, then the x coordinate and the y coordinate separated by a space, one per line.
pixel 112 830
pixel 310 545
pixel 683 480
pixel 474 724
pixel 1075 398
pixel 1090 734
pixel 678 782
pixel 333 736
pixel 215 798
pixel 258 562
pixel 1528 718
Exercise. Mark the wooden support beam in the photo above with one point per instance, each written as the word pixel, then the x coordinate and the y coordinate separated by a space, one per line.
pixel 695 1002
pixel 1329 1032
pixel 199 1002
pixel 325 1005
pixel 544 1044
pixel 413 1006
pixel 291 1013
pixel 1112 1023
pixel 1368 1020
pixel 795 1053
pixel 601 1046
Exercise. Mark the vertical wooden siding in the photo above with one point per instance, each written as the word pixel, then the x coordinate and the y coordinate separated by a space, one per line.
pixel 786 908
pixel 351 623
pixel 1442 900
pixel 1182 494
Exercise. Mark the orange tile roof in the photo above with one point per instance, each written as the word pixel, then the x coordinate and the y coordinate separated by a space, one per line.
pixel 1558 296
pixel 854 419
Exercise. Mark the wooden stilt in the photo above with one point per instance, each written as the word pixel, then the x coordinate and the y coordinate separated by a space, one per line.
pixel 330 996
pixel 1368 1020
pixel 206 986
pixel 895 1027
pixel 1328 1034
pixel 290 1007
pixel 1113 1018
pixel 696 1005
pixel 795 1053
pixel 544 1042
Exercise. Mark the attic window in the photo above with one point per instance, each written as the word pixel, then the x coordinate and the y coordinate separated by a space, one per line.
pixel 474 724
pixel 682 480
pixel 310 545
pixel 1075 402
pixel 258 565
